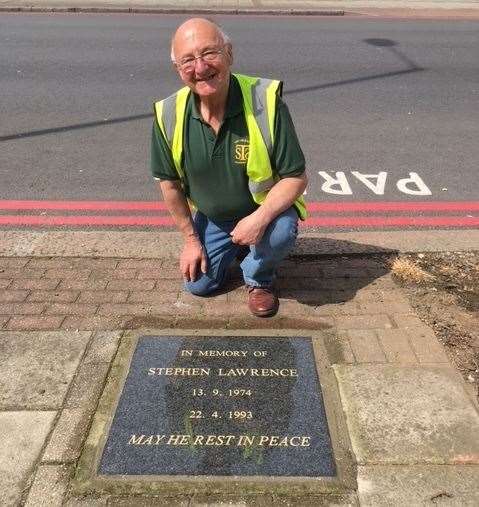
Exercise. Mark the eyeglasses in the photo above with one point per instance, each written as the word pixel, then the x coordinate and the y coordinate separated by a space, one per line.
pixel 188 63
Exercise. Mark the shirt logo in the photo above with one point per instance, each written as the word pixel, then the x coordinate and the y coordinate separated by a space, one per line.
pixel 241 151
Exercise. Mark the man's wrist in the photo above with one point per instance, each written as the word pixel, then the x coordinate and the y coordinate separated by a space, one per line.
pixel 191 237
pixel 263 215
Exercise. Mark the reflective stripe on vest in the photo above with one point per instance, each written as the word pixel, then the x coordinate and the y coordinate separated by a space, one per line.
pixel 259 102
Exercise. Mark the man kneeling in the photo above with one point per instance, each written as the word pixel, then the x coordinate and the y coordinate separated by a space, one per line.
pixel 226 144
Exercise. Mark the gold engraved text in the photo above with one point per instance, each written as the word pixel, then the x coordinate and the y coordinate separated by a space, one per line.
pixel 221 440
pixel 182 372
pixel 257 372
pixel 222 353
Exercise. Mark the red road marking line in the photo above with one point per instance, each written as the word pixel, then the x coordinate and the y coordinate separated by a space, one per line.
pixel 393 206
pixel 393 221
pixel 327 221
pixel 334 207
pixel 84 220
pixel 83 205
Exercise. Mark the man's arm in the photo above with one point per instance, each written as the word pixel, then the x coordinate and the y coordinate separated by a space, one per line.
pixel 282 195
pixel 193 255
pixel 288 164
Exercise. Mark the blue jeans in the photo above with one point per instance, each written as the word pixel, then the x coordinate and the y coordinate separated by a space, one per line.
pixel 258 266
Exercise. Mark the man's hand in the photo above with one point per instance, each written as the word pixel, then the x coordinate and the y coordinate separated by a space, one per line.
pixel 282 195
pixel 249 230
pixel 192 257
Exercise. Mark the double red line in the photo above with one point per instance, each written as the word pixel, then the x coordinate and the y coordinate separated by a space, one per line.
pixel 322 214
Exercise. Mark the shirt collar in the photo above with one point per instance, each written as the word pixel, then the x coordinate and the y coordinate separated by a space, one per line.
pixel 234 101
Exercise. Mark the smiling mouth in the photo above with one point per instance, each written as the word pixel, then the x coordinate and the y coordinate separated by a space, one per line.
pixel 207 78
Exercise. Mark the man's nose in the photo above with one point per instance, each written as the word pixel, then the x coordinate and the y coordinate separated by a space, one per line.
pixel 200 65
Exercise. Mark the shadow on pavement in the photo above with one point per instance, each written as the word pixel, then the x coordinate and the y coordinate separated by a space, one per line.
pixel 339 270
pixel 324 271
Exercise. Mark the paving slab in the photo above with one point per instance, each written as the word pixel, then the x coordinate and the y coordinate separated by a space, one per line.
pixel 37 367
pixel 19 450
pixel 408 415
pixel 419 485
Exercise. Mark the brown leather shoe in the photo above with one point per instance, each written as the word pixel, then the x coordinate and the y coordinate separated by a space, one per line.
pixel 262 301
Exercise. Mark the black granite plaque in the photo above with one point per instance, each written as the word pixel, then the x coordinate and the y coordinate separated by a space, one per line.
pixel 220 406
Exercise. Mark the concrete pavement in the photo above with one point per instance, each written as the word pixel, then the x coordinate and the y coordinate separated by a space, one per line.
pixel 411 422
pixel 153 244
pixel 389 8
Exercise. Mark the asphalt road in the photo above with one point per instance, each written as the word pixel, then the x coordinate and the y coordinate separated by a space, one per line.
pixel 373 101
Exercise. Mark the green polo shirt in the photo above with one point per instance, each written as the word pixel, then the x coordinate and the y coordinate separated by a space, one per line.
pixel 215 165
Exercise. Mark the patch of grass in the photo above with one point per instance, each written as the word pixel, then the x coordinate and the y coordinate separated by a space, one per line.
pixel 408 271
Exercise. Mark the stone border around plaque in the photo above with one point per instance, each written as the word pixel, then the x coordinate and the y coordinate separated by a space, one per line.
pixel 101 470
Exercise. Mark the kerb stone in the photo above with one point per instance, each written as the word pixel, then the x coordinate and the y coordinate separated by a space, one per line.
pixel 49 487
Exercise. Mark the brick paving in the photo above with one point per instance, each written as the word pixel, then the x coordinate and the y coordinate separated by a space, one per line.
pixel 108 294
pixel 355 296
pixel 354 299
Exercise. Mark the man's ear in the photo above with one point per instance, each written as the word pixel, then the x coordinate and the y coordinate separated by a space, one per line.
pixel 229 52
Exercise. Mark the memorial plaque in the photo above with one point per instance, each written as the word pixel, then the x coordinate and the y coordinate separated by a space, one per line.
pixel 220 406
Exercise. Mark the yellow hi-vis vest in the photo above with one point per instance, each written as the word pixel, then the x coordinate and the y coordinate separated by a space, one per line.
pixel 259 102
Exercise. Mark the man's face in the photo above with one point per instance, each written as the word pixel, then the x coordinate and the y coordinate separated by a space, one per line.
pixel 205 78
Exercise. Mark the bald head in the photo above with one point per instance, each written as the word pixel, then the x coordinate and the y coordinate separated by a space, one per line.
pixel 193 29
